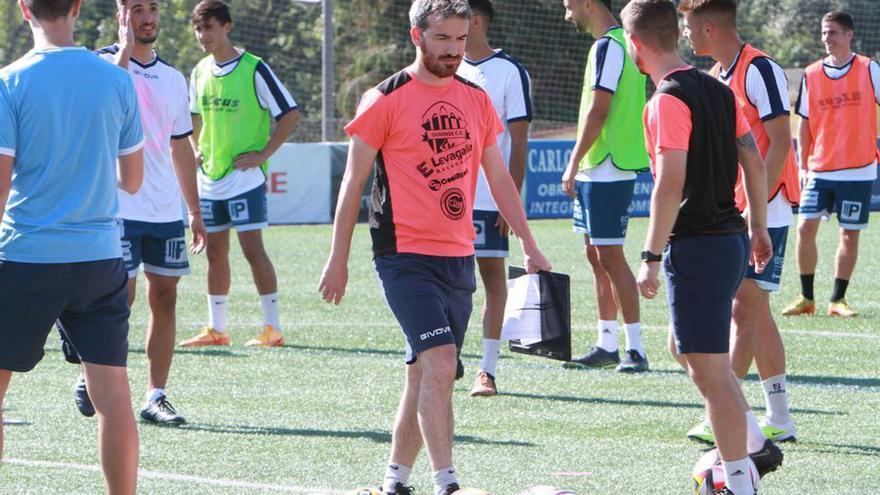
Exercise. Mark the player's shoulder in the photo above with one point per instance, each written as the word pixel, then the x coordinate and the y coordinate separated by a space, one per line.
pixel 394 83
pixel 108 50
pixel 507 60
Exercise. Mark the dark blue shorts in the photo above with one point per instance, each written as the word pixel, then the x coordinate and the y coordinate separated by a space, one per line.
pixel 770 278
pixel 489 243
pixel 247 211
pixel 703 274
pixel 88 300
pixel 160 247
pixel 431 297
pixel 601 210
pixel 850 199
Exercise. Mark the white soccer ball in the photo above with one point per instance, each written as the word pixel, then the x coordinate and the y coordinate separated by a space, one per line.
pixel 709 475
pixel 546 490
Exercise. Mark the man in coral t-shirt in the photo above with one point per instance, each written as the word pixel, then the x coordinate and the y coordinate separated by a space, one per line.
pixel 427 130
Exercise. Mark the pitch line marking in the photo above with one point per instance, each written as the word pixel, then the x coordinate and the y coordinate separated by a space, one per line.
pixel 156 475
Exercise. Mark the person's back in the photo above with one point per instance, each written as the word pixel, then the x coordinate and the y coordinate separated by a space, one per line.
pixel 72 118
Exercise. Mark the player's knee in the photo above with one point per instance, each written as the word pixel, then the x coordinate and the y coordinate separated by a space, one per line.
pixel 438 365
pixel 808 229
pixel 849 238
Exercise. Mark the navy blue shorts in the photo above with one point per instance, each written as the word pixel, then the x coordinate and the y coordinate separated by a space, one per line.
pixel 850 199
pixel 88 300
pixel 601 210
pixel 247 211
pixel 770 278
pixel 489 243
pixel 431 297
pixel 159 247
pixel 703 274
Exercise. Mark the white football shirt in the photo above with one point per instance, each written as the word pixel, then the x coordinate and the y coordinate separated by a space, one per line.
pixel 508 84
pixel 164 108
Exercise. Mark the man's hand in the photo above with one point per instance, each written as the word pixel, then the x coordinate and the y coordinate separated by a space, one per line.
pixel 199 158
pixel 649 279
pixel 503 228
pixel 534 260
pixel 568 179
pixel 762 249
pixel 333 281
pixel 126 29
pixel 245 161
pixel 199 233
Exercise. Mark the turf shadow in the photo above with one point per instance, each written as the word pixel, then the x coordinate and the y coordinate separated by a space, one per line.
pixel 845 381
pixel 373 436
pixel 844 449
pixel 643 403
pixel 375 352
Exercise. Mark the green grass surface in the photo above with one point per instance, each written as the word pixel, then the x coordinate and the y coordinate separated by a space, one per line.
pixel 318 412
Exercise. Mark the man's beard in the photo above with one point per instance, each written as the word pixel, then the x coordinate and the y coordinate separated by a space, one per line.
pixel 146 40
pixel 439 66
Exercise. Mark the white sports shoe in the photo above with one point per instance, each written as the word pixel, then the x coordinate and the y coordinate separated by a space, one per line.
pixel 784 432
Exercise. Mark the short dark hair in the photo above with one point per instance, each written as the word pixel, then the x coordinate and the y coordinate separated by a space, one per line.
pixel 48 10
pixel 422 9
pixel 840 17
pixel 722 8
pixel 653 21
pixel 484 8
pixel 207 9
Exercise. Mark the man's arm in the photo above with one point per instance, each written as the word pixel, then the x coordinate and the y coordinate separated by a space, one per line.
pixel 6 162
pixel 361 157
pixel 755 183
pixel 283 129
pixel 805 145
pixel 126 37
pixel 194 138
pixel 519 149
pixel 504 193
pixel 671 169
pixel 184 162
pixel 130 171
pixel 597 114
pixel 779 131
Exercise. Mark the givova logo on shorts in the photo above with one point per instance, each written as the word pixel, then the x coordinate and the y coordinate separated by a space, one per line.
pixel 175 250
pixel 850 211
pixel 435 333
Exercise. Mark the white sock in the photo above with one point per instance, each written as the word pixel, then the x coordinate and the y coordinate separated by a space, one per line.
pixel 153 395
pixel 755 437
pixel 607 335
pixel 776 398
pixel 738 476
pixel 394 474
pixel 217 312
pixel 269 303
pixel 444 478
pixel 491 348
pixel 634 337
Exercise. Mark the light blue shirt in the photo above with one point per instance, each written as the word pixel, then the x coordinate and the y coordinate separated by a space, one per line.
pixel 65 116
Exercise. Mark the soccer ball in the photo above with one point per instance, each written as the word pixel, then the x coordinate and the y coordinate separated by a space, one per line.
pixel 364 491
pixel 708 474
pixel 471 491
pixel 546 490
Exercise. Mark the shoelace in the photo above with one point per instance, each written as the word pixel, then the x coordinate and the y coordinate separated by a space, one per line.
pixel 165 406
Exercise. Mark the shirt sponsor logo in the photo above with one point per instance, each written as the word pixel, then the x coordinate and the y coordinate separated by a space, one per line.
pixel 437 184
pixel 217 104
pixel 846 99
pixel 452 204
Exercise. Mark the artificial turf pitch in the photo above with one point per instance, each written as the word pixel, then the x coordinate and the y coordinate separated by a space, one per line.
pixel 317 413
